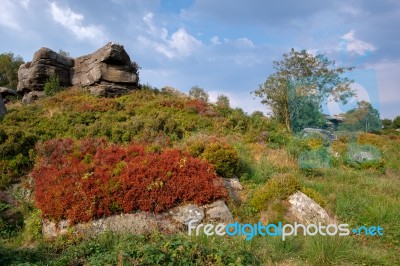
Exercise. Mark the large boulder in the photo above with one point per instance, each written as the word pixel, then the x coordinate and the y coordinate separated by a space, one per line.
pixel 109 69
pixel 306 211
pixel 33 75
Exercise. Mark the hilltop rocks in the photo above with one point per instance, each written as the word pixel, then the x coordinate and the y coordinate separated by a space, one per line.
pixel 107 72
pixel 33 75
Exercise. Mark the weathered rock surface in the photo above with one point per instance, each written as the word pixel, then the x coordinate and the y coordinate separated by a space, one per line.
pixel 33 75
pixel 107 72
pixel 233 186
pixel 304 210
pixel 172 221
pixel 32 96
pixel 218 212
pixel 187 213
pixel 5 92
pixel 3 110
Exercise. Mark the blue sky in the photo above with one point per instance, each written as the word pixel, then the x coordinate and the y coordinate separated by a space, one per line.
pixel 226 47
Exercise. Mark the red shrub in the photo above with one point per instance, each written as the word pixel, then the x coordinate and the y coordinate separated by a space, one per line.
pixel 91 179
pixel 196 105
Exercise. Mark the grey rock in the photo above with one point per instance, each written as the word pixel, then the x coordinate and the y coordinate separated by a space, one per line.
pixel 187 213
pixel 33 75
pixel 218 212
pixel 52 229
pixel 232 183
pixel 304 210
pixel 170 222
pixel 233 186
pixel 4 92
pixel 32 96
pixel 110 64
pixel 108 90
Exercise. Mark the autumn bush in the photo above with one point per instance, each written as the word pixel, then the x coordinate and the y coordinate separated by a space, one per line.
pixel 91 178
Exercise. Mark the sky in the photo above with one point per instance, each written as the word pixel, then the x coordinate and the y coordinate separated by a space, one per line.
pixel 225 47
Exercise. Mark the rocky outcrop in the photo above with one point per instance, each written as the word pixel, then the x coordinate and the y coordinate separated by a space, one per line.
pixel 33 75
pixel 173 221
pixel 306 211
pixel 107 72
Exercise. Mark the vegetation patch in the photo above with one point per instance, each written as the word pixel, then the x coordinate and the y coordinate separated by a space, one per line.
pixel 91 178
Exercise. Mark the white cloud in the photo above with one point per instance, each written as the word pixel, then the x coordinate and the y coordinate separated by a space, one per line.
pixel 8 16
pixel 244 42
pixel 179 44
pixel 353 45
pixel 215 40
pixel 73 22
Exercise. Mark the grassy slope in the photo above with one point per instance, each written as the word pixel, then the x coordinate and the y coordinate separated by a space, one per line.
pixel 356 196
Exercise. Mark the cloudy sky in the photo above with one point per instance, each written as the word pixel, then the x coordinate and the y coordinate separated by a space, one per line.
pixel 226 47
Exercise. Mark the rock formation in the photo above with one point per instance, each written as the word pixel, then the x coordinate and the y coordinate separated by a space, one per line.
pixel 107 72
pixel 33 75
pixel 169 222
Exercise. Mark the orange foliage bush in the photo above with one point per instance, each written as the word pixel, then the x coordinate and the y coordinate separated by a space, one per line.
pixel 89 179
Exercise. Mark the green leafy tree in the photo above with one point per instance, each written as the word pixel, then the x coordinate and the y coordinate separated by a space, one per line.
pixel 363 118
pixel 396 122
pixel 9 65
pixel 387 123
pixel 223 101
pixel 199 93
pixel 300 80
pixel 52 85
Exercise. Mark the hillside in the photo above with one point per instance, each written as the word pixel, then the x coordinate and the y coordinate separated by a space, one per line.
pixel 256 149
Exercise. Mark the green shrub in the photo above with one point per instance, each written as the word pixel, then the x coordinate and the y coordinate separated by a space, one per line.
pixel 278 187
pixel 224 158
pixel 52 85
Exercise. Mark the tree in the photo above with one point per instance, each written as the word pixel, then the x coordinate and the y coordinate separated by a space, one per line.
pixel 9 65
pixel 198 93
pixel 396 122
pixel 301 83
pixel 387 123
pixel 223 101
pixel 64 53
pixel 363 118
